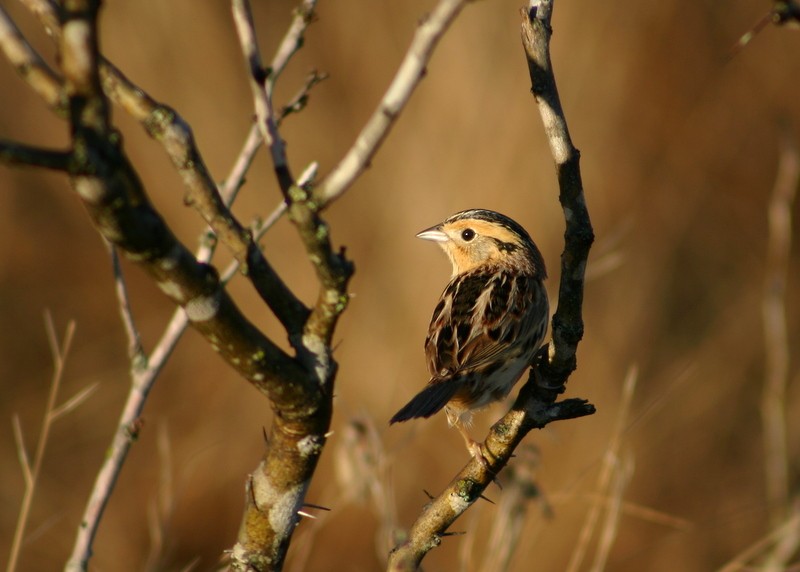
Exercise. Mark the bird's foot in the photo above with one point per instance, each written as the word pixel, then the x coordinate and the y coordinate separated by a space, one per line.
pixel 474 448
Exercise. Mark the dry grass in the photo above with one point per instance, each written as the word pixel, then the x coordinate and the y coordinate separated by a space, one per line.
pixel 680 150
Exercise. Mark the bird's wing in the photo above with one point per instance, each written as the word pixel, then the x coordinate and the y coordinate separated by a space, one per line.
pixel 477 318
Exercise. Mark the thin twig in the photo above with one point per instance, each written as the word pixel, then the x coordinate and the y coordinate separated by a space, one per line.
pixel 29 64
pixel 30 472
pixel 135 349
pixel 623 469
pixel 292 41
pixel 75 401
pixel 235 180
pixel 265 115
pixel 47 13
pixel 299 101
pixel 12 153
pixel 610 462
pixel 776 340
pixel 740 561
pixel 408 76
pixel 520 491
pixel 783 13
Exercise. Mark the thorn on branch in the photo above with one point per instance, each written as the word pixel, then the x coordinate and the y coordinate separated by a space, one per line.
pixel 319 507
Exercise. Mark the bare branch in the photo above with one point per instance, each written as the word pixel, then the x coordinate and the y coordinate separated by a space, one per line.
pixel 265 116
pixel 22 451
pixel 776 339
pixel 790 527
pixel 135 349
pixel 578 236
pixel 235 180
pixel 292 41
pixel 407 78
pixel 30 472
pixel 783 13
pixel 610 461
pixel 333 270
pixel 75 401
pixel 306 178
pixel 18 154
pixel 167 126
pixel 46 12
pixel 300 99
pixel 29 65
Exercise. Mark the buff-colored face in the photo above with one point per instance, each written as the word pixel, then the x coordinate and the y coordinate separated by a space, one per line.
pixel 472 242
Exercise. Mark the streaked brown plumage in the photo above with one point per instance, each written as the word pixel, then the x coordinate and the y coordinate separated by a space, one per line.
pixel 489 322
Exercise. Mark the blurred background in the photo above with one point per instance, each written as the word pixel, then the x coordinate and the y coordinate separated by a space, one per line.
pixel 680 148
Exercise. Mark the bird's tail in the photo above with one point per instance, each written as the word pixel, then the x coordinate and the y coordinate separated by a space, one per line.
pixel 428 401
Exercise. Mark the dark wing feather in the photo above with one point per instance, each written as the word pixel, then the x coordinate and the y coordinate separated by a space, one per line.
pixel 457 341
pixel 428 401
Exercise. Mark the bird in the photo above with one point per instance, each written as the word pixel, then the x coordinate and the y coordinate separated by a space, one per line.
pixel 489 322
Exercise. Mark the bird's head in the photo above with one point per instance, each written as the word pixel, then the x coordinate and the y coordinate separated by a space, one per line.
pixel 479 237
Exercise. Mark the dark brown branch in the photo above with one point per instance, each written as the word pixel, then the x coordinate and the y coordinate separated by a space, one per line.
pixel 115 200
pixel 18 154
pixel 166 126
pixel 578 237
pixel 535 406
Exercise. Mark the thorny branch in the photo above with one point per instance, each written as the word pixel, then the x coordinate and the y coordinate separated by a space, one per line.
pixel 535 405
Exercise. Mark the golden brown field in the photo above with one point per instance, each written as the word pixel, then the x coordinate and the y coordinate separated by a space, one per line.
pixel 680 149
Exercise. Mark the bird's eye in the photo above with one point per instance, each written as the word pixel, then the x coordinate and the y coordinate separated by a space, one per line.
pixel 467 234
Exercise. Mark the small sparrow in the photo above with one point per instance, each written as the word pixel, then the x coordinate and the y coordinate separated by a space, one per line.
pixel 490 320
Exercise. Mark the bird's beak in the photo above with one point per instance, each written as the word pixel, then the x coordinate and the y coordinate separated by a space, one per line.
pixel 433 233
